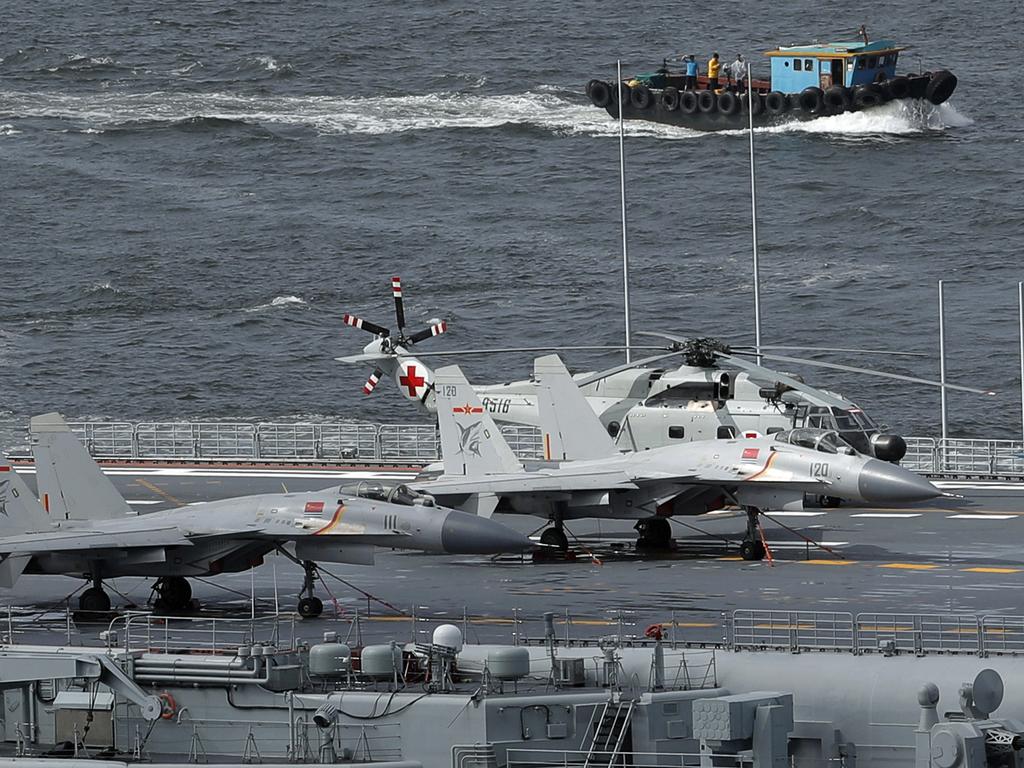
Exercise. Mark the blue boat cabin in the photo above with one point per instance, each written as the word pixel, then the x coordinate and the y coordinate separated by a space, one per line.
pixel 797 67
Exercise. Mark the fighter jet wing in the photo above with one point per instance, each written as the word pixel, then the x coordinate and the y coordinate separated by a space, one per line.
pixel 530 482
pixel 736 478
pixel 72 540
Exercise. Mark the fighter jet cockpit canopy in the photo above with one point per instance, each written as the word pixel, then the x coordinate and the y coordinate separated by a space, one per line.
pixel 822 440
pixel 393 494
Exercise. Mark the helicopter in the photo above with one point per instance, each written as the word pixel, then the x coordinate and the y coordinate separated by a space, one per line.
pixel 717 391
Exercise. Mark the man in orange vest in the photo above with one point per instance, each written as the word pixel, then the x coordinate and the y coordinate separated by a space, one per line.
pixel 713 66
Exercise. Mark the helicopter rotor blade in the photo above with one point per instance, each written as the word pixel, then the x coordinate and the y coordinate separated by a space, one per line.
pixel 782 378
pixel 365 325
pixel 871 372
pixel 625 367
pixel 371 383
pixel 371 357
pixel 551 348
pixel 396 291
pixel 830 349
pixel 434 330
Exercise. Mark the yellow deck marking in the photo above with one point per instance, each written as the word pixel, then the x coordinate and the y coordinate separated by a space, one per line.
pixel 828 562
pixel 986 569
pixel 729 557
pixel 909 566
pixel 160 492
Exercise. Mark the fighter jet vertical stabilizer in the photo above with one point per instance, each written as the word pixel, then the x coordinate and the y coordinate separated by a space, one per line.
pixel 19 513
pixel 471 443
pixel 569 427
pixel 71 484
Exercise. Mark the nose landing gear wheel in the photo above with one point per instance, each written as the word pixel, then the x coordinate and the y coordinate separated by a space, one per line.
pixel 94 600
pixel 310 607
pixel 655 533
pixel 175 593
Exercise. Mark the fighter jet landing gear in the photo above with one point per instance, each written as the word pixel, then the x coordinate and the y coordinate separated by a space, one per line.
pixel 94 599
pixel 752 547
pixel 310 606
pixel 174 593
pixel 655 533
pixel 555 537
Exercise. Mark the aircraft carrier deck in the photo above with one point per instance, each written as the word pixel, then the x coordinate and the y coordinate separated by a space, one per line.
pixel 957 556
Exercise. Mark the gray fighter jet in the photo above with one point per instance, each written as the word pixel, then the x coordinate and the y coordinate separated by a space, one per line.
pixel 586 476
pixel 84 528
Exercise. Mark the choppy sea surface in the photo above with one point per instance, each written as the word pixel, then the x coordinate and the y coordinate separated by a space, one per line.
pixel 194 193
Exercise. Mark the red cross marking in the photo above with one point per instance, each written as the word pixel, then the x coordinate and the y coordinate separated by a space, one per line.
pixel 411 380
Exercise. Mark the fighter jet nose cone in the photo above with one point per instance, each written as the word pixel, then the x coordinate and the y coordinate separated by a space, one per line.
pixel 884 483
pixel 466 534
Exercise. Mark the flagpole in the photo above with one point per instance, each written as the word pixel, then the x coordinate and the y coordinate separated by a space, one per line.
pixel 622 192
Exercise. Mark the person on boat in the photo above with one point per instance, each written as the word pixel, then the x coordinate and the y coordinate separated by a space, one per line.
pixel 713 67
pixel 690 84
pixel 738 70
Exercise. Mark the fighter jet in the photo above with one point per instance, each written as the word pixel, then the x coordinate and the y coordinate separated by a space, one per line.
pixel 585 475
pixel 84 528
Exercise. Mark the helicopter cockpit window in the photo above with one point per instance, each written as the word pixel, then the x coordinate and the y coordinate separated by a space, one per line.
pixel 845 420
pixel 864 420
pixel 726 433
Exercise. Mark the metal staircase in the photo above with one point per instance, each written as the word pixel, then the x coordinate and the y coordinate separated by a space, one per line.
pixel 611 734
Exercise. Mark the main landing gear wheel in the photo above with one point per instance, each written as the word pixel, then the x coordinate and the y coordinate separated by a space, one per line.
pixel 752 547
pixel 310 606
pixel 94 600
pixel 752 550
pixel 175 593
pixel 829 502
pixel 555 537
pixel 655 533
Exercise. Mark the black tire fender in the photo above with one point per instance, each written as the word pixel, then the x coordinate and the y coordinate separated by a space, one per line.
pixel 599 92
pixel 812 100
pixel 867 96
pixel 707 101
pixel 670 99
pixel 728 104
pixel 940 87
pixel 837 99
pixel 640 97
pixel 688 102
pixel 776 103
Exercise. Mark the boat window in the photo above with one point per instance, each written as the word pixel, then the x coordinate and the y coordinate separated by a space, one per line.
pixel 677 433
pixel 860 63
pixel 786 62
pixel 808 65
pixel 797 64
pixel 872 62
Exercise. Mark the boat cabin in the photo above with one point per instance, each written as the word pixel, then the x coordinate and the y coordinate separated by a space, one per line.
pixel 854 63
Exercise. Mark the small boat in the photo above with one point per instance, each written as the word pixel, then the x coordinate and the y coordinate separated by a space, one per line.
pixel 807 81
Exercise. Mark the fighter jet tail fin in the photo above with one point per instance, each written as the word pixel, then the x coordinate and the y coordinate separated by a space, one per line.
pixel 569 427
pixel 71 484
pixel 19 510
pixel 471 443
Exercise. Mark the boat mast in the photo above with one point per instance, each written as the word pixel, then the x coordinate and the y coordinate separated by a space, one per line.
pixel 622 190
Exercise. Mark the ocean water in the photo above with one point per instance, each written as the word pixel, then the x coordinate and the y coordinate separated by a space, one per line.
pixel 193 194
